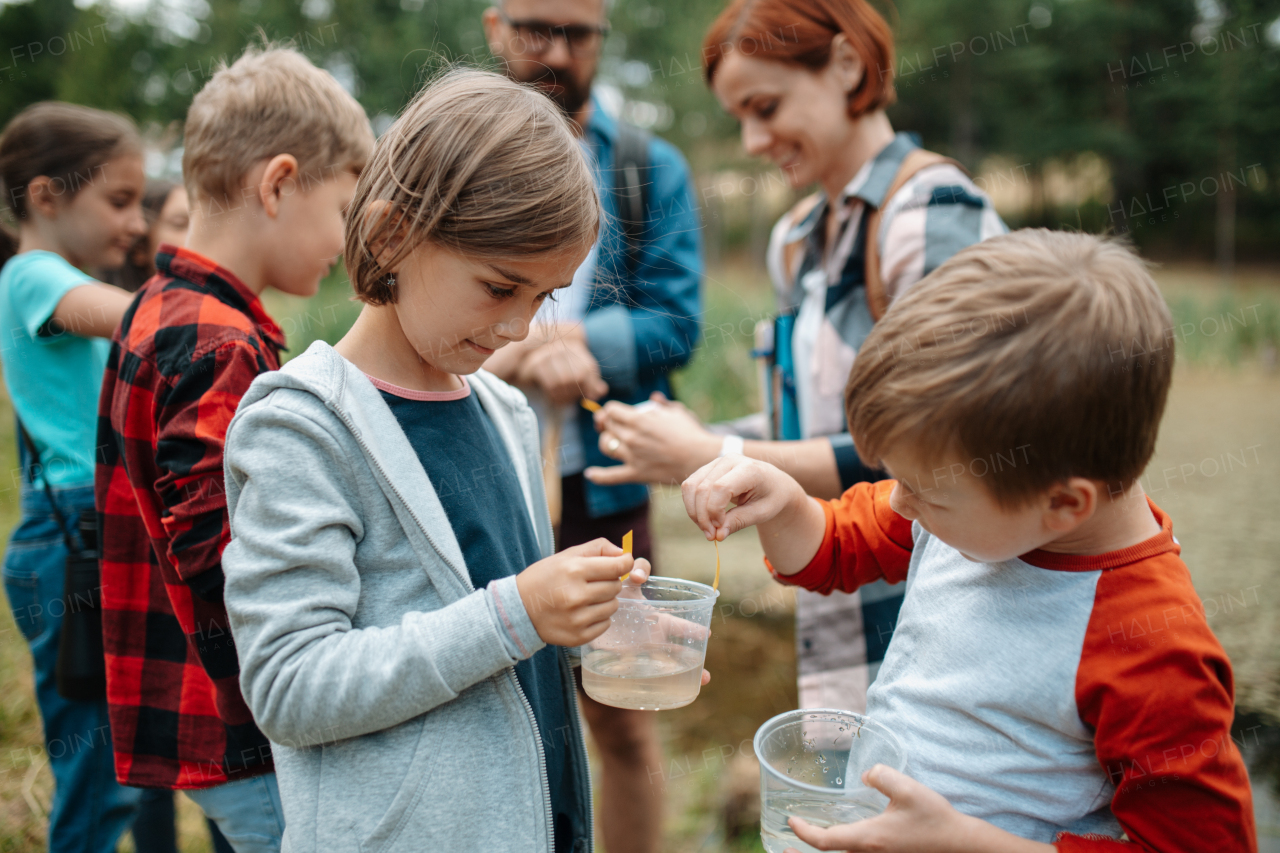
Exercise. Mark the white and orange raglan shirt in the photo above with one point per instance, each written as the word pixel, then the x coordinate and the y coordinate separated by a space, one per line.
pixel 1065 699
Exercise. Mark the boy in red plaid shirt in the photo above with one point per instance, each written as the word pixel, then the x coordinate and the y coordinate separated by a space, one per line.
pixel 273 149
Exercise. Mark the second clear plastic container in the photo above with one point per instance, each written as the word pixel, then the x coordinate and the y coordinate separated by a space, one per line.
pixel 651 657
pixel 811 766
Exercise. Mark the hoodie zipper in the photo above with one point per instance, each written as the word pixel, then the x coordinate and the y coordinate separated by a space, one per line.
pixel 466 581
pixel 542 762
pixel 584 766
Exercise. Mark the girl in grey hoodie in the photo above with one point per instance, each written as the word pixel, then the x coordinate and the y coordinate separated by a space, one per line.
pixel 402 624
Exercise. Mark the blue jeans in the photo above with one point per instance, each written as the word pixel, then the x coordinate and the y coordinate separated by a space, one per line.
pixel 247 811
pixel 90 809
pixel 154 830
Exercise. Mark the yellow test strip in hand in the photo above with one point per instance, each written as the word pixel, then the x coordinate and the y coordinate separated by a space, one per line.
pixel 590 405
pixel 626 542
pixel 715 584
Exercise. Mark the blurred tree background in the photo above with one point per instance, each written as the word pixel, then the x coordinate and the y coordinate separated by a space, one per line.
pixel 1158 118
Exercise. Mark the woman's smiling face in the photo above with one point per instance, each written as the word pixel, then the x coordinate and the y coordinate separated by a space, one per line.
pixel 791 115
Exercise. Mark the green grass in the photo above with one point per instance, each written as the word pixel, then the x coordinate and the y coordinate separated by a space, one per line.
pixel 1228 328
pixel 721 380
pixel 20 733
pixel 1219 322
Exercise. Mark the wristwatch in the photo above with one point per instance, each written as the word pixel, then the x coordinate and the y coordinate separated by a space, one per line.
pixel 731 445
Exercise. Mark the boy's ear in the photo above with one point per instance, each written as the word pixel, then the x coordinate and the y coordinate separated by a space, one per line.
pixel 1070 504
pixel 279 179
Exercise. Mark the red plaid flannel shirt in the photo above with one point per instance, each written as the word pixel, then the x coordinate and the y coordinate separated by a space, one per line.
pixel 186 351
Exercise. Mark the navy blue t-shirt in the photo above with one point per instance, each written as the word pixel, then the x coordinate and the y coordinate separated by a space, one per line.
pixel 474 477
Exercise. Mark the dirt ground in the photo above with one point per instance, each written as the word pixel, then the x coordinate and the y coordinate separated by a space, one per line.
pixel 1217 474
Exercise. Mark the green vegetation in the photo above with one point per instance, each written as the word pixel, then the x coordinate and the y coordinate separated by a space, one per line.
pixel 1156 119
pixel 1227 328
pixel 1218 323
pixel 722 380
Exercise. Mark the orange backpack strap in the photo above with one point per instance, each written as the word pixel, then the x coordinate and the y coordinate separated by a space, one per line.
pixel 915 160
pixel 792 252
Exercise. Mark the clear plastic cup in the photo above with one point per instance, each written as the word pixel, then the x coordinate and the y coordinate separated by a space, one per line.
pixel 811 766
pixel 651 657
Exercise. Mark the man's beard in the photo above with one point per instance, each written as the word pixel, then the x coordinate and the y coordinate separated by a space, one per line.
pixel 570 98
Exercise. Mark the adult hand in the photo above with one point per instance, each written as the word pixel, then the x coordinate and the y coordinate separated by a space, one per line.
pixel 565 370
pixel 918 820
pixel 658 442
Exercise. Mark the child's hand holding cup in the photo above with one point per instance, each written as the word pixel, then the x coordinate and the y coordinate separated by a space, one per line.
pixel 570 596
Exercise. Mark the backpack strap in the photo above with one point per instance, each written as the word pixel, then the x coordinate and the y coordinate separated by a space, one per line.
pixel 916 160
pixel 631 187
pixel 34 464
pixel 793 252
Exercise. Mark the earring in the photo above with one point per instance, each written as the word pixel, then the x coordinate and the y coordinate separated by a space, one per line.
pixel 390 280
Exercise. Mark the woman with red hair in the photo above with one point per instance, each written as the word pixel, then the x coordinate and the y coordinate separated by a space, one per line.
pixel 809 81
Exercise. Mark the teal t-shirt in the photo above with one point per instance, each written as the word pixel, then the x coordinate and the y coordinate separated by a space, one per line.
pixel 53 376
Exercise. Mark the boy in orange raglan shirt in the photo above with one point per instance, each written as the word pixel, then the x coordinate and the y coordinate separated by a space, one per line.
pixel 1014 396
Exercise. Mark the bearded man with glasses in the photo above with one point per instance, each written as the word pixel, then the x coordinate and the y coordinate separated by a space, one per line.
pixel 627 321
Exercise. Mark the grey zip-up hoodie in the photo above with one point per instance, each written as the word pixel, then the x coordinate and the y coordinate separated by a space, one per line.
pixel 383 678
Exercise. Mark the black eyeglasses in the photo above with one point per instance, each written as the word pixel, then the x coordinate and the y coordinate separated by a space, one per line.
pixel 538 36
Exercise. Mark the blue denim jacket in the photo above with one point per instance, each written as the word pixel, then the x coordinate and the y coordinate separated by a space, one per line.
pixel 641 326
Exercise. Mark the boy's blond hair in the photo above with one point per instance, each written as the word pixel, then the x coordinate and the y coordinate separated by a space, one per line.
pixel 271 101
pixel 478 165
pixel 1028 358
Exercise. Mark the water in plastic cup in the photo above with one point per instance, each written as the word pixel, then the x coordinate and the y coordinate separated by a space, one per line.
pixel 651 657
pixel 811 766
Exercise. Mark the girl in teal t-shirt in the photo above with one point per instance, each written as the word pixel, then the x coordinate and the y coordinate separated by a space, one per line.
pixel 52 374
pixel 73 179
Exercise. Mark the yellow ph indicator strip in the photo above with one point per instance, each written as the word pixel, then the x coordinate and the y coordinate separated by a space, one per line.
pixel 715 584
pixel 626 537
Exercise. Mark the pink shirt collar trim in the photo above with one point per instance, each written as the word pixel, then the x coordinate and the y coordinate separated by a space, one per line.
pixel 429 396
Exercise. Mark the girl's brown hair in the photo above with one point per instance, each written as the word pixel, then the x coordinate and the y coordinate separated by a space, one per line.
pixel 64 142
pixel 800 32
pixel 477 164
